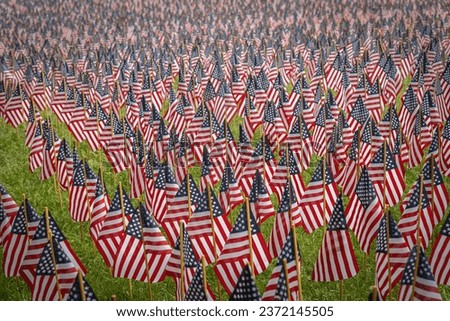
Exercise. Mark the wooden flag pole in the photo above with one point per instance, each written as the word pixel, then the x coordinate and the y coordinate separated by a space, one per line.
pixel 384 172
pixel 211 215
pixel 300 126
pixel 188 191
pixel 81 283
pixel 124 228
pixel 26 217
pixel 286 276
pixel 87 193
pixel 147 272
pixel 50 240
pixel 418 237
pixel 324 188
pixel 432 201
pixel 297 263
pixel 55 178
pixel 388 232
pixel 182 280
pixel 205 285
pixel 250 240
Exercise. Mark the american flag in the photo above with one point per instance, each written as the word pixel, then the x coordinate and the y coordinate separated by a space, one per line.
pixel 387 177
pixel 196 290
pixel 130 258
pixel 435 187
pixel 157 248
pixel 440 255
pixel 165 189
pixel 419 279
pixel 182 263
pixel 288 215
pixel 99 207
pixel 78 196
pixel 408 112
pixel 409 220
pixel 300 142
pixel 208 174
pixel 320 195
pixel 14 110
pixel 55 274
pixel 16 243
pixel 364 211
pixel 62 164
pixel 230 194
pixel 358 115
pixel 35 248
pixel 245 288
pixel 391 255
pixel 238 249
pixel 36 157
pixel 259 199
pixel 178 209
pixel 287 163
pixel 277 286
pixel 78 117
pixel 208 227
pixel 9 210
pixel 49 154
pixel 75 293
pixel 114 225
pixel 336 259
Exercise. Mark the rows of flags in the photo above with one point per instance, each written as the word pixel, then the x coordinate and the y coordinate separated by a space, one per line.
pixel 157 111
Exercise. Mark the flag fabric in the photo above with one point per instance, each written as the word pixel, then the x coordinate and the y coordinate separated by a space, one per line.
pixel 230 194
pixel 208 228
pixel 236 252
pixel 245 288
pixel 440 255
pixel 418 282
pixel 436 191
pixel 288 215
pixel 99 207
pixel 55 274
pixel 386 176
pixel 130 259
pixel 16 243
pixel 178 209
pixel 364 211
pixel 336 259
pixel 78 195
pixel 38 243
pixel 8 208
pixel 409 220
pixel 276 288
pixel 114 226
pixel 196 290
pixel 182 257
pixel 259 199
pixel 392 252
pixel 319 198
pixel 75 293
pixel 157 248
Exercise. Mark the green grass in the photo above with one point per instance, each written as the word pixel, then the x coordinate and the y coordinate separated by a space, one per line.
pixel 16 178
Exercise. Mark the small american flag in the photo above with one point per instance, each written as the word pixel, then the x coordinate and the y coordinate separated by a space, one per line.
pixel 236 252
pixel 245 288
pixel 364 211
pixel 75 291
pixel 441 254
pixel 336 259
pixel 55 274
pixel 391 255
pixel 419 279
